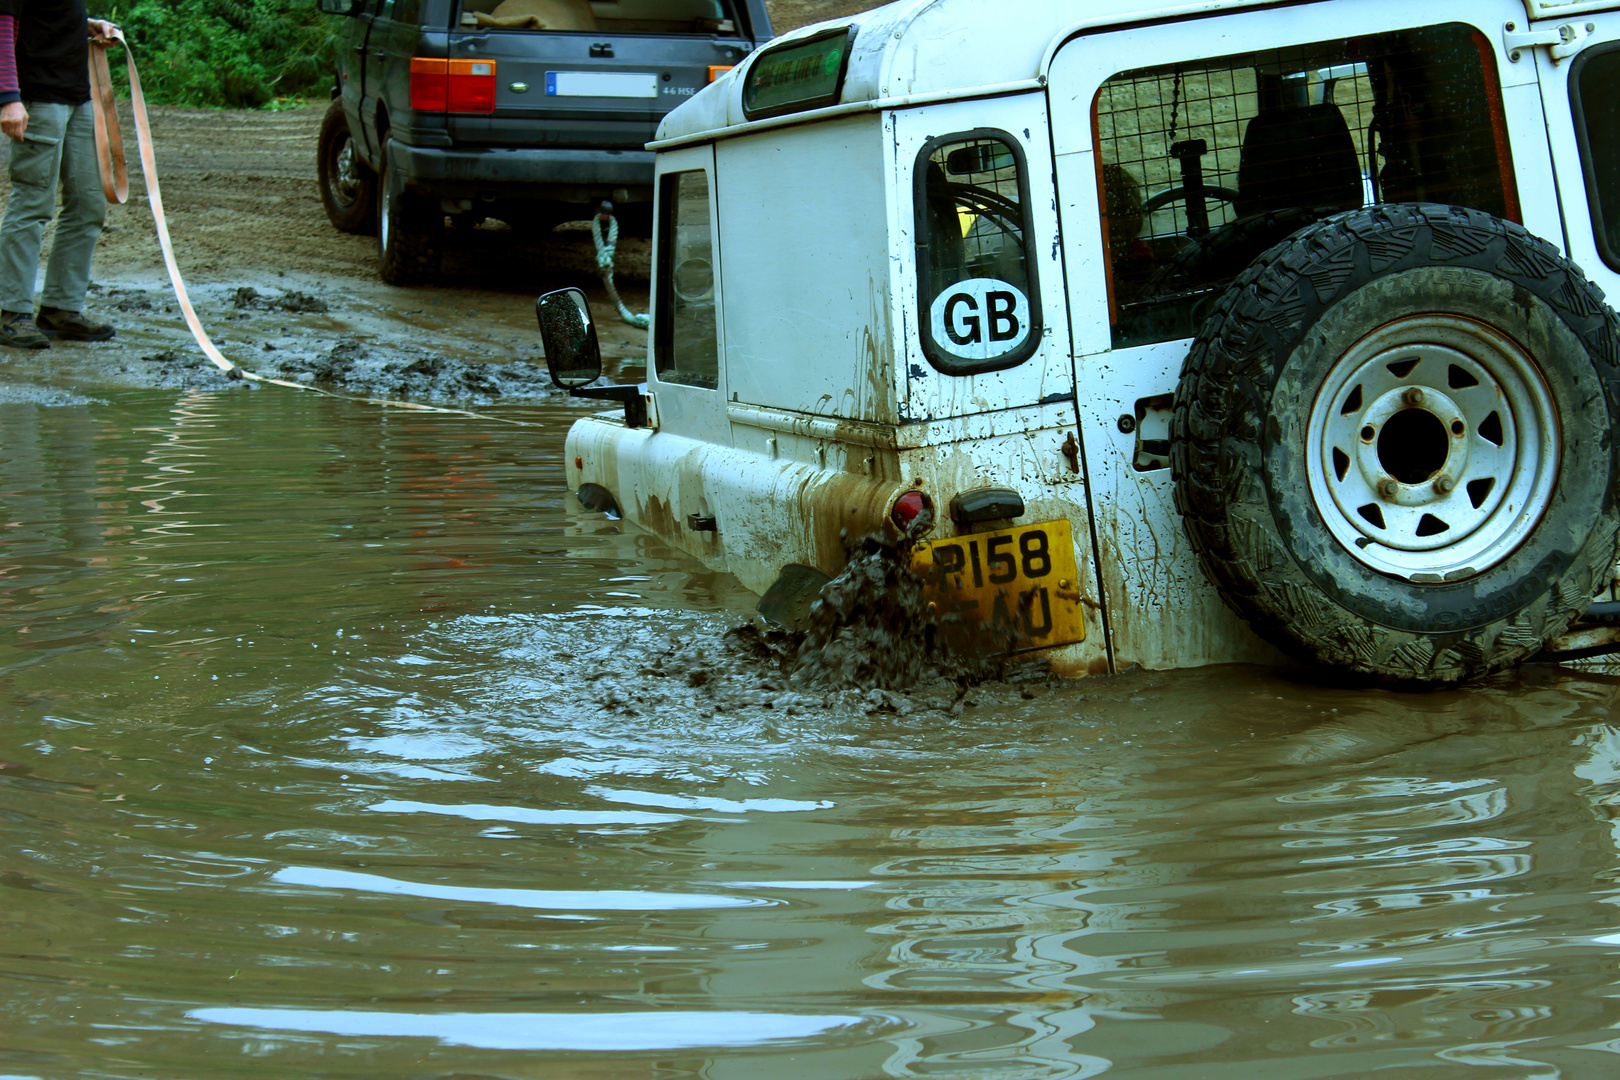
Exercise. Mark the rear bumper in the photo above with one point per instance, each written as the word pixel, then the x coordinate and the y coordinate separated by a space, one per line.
pixel 572 176
pixel 767 513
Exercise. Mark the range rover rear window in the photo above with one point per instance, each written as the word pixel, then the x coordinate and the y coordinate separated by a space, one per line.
pixel 806 74
pixel 665 17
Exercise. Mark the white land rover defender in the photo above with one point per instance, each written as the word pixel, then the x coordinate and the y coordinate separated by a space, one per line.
pixel 1200 331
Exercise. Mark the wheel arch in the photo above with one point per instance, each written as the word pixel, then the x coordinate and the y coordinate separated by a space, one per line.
pixel 378 147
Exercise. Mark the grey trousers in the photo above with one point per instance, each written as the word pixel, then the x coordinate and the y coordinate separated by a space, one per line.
pixel 58 148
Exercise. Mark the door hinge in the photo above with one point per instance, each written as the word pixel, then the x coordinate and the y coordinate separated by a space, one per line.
pixel 1561 41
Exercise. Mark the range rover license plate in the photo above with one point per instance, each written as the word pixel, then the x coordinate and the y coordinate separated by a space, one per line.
pixel 624 84
pixel 1005 591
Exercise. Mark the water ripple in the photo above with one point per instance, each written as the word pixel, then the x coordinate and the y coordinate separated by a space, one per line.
pixel 538 899
pixel 627 1031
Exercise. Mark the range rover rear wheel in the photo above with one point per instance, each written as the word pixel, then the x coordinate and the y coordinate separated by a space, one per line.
pixel 410 230
pixel 348 186
pixel 1395 443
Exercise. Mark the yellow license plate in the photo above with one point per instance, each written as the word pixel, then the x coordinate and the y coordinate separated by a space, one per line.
pixel 1005 591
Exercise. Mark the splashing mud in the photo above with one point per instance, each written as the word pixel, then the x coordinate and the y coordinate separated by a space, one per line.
pixel 753 673
pixel 874 626
pixel 872 643
pixel 871 625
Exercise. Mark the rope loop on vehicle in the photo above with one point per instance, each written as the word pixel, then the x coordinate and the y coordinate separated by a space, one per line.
pixel 606 240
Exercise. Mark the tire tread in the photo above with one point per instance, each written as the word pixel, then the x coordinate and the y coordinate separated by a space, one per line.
pixel 1224 388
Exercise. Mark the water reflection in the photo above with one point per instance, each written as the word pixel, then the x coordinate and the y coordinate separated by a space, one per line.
pixel 333 746
pixel 538 899
pixel 548 1031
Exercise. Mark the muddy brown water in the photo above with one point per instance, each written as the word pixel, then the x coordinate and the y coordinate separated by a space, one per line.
pixel 340 742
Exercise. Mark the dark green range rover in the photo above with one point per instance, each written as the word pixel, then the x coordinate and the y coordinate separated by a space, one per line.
pixel 529 111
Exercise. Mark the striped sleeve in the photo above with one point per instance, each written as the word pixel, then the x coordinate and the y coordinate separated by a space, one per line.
pixel 9 89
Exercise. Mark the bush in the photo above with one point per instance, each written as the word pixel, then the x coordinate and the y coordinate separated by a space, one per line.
pixel 232 53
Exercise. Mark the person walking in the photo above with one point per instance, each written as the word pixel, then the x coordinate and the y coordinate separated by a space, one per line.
pixel 45 110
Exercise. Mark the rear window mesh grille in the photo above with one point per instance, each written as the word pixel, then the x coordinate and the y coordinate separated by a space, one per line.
pixel 1206 164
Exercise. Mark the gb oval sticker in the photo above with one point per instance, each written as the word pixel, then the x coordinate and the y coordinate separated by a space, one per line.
pixel 980 318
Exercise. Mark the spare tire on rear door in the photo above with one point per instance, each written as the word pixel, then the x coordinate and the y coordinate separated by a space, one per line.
pixel 1394 443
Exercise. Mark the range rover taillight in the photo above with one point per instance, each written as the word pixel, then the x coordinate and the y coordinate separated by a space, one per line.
pixel 458 86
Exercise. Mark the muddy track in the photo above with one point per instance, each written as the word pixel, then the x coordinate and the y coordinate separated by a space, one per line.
pixel 244 213
pixel 790 14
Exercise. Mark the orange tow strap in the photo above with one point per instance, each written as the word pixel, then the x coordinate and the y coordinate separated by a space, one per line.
pixel 109 137
pixel 115 181
pixel 115 184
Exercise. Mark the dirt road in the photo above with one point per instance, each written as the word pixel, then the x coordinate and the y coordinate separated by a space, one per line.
pixel 791 14
pixel 284 293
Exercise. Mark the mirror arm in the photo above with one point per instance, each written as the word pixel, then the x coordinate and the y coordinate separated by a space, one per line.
pixel 634 398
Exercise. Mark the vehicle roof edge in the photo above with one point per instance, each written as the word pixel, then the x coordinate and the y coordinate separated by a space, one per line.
pixel 909 53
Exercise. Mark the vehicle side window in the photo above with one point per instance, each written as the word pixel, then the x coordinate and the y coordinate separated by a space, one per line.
pixel 407 11
pixel 1595 91
pixel 687 346
pixel 978 301
pixel 1204 165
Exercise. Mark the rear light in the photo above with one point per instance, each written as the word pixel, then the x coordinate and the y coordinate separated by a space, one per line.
pixel 717 70
pixel 913 513
pixel 472 86
pixel 429 85
pixel 458 86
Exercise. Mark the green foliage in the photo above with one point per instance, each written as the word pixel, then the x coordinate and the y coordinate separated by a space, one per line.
pixel 232 53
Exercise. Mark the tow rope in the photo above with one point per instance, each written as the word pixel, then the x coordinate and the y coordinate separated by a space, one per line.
pixel 606 246
pixel 115 184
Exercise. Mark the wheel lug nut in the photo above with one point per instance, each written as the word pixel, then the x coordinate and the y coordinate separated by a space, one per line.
pixel 1413 397
pixel 1387 488
pixel 1444 485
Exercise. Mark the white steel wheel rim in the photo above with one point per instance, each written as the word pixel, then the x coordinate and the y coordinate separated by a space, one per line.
pixel 1433 448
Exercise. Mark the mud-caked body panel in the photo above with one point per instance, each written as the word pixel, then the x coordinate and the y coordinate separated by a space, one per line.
pixel 770 512
pixel 735 510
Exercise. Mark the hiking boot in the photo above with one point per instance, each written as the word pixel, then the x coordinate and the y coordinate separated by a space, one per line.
pixel 72 325
pixel 17 330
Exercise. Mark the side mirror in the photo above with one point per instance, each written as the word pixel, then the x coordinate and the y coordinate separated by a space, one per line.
pixel 339 7
pixel 573 356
